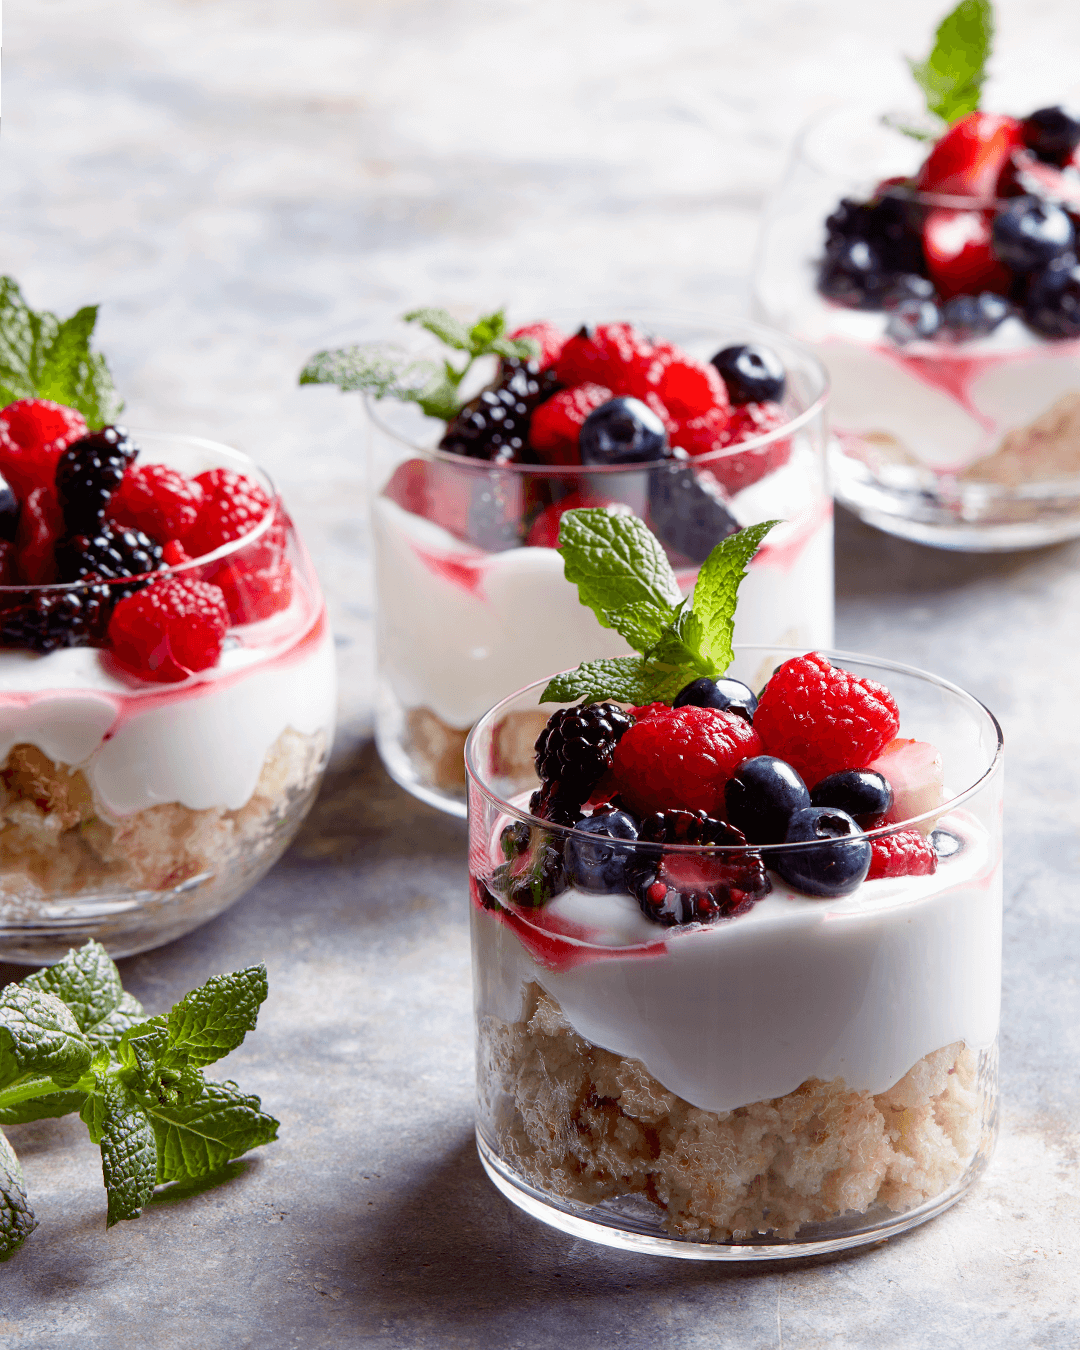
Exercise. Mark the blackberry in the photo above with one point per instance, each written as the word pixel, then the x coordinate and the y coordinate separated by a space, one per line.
pixel 109 554
pixel 495 424
pixel 514 839
pixel 535 875
pixel 575 749
pixel 678 888
pixel 88 473
pixel 889 225
pixel 44 620
pixel 687 510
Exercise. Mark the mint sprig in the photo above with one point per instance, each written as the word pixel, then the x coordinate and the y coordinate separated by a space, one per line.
pixel 623 575
pixel 71 1039
pixel 44 357
pixel 952 76
pixel 386 371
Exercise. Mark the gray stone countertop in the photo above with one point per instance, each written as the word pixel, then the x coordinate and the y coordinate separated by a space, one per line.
pixel 236 182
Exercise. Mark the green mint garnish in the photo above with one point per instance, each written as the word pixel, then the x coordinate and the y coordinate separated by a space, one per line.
pixel 385 371
pixel 44 357
pixel 952 75
pixel 72 1040
pixel 623 575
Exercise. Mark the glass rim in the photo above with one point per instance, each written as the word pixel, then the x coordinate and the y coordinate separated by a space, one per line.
pixel 756 331
pixel 219 555
pixel 975 705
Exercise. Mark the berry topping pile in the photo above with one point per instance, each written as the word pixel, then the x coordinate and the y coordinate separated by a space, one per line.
pixel 79 515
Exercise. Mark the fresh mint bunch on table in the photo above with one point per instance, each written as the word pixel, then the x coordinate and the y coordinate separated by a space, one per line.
pixel 386 371
pixel 622 573
pixel 71 1039
pixel 42 356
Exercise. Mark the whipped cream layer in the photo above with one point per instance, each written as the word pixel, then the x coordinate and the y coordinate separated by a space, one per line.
pixel 745 1010
pixel 459 629
pixel 202 742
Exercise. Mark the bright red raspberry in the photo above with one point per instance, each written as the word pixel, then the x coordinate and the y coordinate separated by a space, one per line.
pixel 904 854
pixel 232 505
pixel 736 472
pixel 174 553
pixel 690 388
pixel 680 759
pixel 160 501
pixel 41 523
pixel 701 435
pixel 254 595
pixel 34 433
pixel 551 341
pixel 556 423
pixel 169 629
pixel 614 355
pixel 647 710
pixel 821 718
pixel 544 532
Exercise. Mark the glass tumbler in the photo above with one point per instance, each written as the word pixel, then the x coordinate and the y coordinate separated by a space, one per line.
pixel 806 1076
pixel 470 594
pixel 133 809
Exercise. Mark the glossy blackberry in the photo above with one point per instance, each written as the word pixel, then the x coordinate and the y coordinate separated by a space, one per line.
pixel 682 886
pixel 536 875
pixel 725 695
pixel 88 473
pixel 687 510
pixel 836 854
pixel 622 431
pixel 862 793
pixel 495 424
pixel 761 797
pixel 109 554
pixel 1052 134
pixel 853 276
pixel 889 225
pixel 514 839
pixel 599 862
pixel 47 619
pixel 9 514
pixel 574 751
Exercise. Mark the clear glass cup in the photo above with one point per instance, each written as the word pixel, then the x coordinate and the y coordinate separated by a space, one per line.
pixel 970 445
pixel 470 594
pixel 808 1076
pixel 134 810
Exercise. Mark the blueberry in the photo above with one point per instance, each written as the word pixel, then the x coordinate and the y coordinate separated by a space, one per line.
pixel 514 839
pixel 752 374
pixel 687 511
pixel 9 514
pixel 622 431
pixel 1029 234
pixel 594 866
pixel 908 286
pixel 913 319
pixel 852 275
pixel 971 316
pixel 495 521
pixel 860 792
pixel 727 695
pixel 1052 300
pixel 946 844
pixel 761 797
pixel 836 865
pixel 1052 133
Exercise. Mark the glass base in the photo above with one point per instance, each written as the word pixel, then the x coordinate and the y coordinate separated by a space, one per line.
pixel 633 1225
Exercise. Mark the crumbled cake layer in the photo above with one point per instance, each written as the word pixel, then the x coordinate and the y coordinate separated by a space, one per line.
pixel 55 841
pixel 589 1126
pixel 440 748
pixel 1047 448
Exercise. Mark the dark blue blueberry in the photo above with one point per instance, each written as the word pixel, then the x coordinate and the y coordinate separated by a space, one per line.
pixel 913 320
pixel 1029 234
pixel 836 864
pixel 688 512
pixel 761 797
pixel 596 866
pixel 622 431
pixel 752 374
pixel 852 275
pixel 1052 301
pixel 971 316
pixel 860 792
pixel 946 844
pixel 727 695
pixel 908 286
pixel 495 518
pixel 514 839
pixel 9 514
pixel 1052 134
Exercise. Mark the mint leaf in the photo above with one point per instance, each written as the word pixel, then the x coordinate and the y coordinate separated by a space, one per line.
pixel 206 1024
pixel 627 679
pixel 681 645
pixel 439 397
pixel 486 330
pixel 24 339
pixel 952 75
pixel 39 1036
pixel 200 1135
pixel 615 560
pixel 118 1124
pixel 717 587
pixel 444 326
pixel 641 624
pixel 17 1220
pixel 379 369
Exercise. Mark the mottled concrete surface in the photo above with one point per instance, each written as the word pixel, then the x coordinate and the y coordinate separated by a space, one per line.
pixel 236 180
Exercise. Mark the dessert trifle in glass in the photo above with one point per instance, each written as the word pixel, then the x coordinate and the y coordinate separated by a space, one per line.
pixel 167 684
pixel 699 428
pixel 938 281
pixel 737 957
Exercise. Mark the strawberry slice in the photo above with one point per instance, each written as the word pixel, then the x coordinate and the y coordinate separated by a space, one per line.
pixel 958 253
pixel 969 158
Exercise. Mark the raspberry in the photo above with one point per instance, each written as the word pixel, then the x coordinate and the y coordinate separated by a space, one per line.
pixel 233 504
pixel 822 719
pixel 904 854
pixel 544 532
pixel 736 472
pixel 170 629
pixel 34 432
pixel 160 501
pixel 681 759
pixel 40 526
pixel 88 473
pixel 255 593
pixel 690 388
pixel 556 424
pixel 615 355
pixel 700 435
pixel 574 751
pixel 173 553
pixel 548 336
